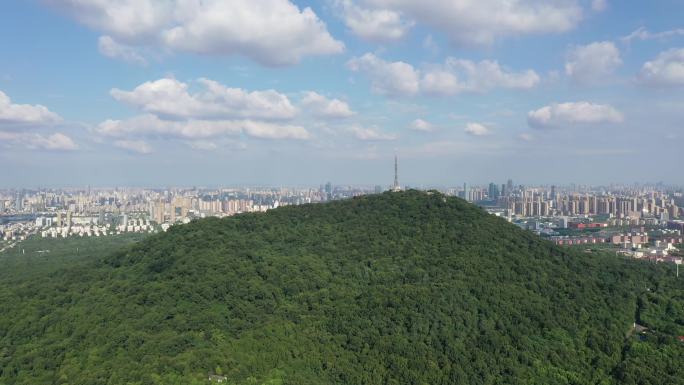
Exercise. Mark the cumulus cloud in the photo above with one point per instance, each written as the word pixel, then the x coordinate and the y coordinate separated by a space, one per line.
pixel 452 77
pixel 172 109
pixel 477 129
pixel 321 106
pixel 387 78
pixel 593 62
pixel 570 114
pixel 36 141
pixel 56 141
pixel 135 146
pixel 481 22
pixel 18 114
pixel 110 48
pixel 264 130
pixel 16 118
pixel 152 126
pixel 378 25
pixel 271 32
pixel 171 98
pixel 666 70
pixel 127 20
pixel 370 134
pixel 421 125
pixel 468 76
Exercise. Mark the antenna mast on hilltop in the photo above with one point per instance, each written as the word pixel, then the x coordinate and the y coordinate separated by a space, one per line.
pixel 396 187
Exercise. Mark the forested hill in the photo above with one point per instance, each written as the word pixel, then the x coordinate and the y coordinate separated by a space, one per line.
pixel 398 288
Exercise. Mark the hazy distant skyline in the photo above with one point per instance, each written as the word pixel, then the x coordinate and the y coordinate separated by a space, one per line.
pixel 282 92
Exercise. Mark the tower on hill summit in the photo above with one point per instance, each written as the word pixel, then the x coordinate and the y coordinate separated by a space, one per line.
pixel 395 186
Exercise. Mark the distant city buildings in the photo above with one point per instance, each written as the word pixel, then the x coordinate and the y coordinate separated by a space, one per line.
pixel 629 217
pixel 100 212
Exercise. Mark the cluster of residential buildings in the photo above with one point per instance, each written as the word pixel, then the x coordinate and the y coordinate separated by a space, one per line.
pixel 639 221
pixel 92 226
pixel 101 212
pixel 659 203
pixel 625 217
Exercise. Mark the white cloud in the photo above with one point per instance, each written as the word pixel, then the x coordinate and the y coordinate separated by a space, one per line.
pixel 478 22
pixel 151 126
pixel 666 70
pixel 421 125
pixel 370 134
pixel 452 77
pixel 170 98
pixel 643 34
pixel 323 107
pixel 35 141
pixel 136 146
pixel 271 32
pixel 11 113
pixel 387 78
pixel 110 48
pixel 56 141
pixel 593 62
pixel 264 130
pixel 199 118
pixel 127 20
pixel 526 137
pixel 14 118
pixel 567 114
pixel 458 75
pixel 440 82
pixel 373 24
pixel 599 5
pixel 477 129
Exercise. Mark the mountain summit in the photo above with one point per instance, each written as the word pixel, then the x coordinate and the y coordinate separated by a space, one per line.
pixel 397 288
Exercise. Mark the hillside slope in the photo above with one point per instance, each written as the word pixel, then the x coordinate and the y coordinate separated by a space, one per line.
pixel 398 288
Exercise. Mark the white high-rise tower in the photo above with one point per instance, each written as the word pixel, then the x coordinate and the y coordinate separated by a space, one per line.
pixel 396 186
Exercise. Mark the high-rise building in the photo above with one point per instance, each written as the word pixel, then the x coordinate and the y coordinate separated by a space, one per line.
pixel 493 191
pixel 19 202
pixel 328 190
pixel 159 213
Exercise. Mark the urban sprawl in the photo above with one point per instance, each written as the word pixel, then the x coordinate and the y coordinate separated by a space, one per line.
pixel 638 221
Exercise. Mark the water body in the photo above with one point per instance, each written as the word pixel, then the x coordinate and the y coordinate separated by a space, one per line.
pixel 17 218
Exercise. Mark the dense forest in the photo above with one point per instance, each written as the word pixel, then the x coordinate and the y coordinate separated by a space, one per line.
pixel 398 288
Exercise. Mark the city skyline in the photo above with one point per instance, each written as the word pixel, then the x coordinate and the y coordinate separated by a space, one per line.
pixel 152 94
pixel 547 210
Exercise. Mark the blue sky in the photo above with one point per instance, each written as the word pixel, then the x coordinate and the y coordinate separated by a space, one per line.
pixel 189 92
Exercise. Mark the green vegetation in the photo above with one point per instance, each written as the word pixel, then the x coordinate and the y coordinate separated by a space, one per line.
pixel 38 256
pixel 398 288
